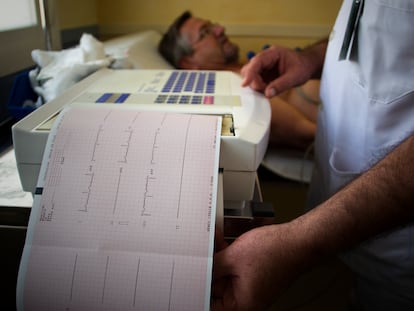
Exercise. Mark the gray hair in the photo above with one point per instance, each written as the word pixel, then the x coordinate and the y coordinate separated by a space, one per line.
pixel 173 47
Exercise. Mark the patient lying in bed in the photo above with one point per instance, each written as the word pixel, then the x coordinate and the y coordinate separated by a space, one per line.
pixel 196 43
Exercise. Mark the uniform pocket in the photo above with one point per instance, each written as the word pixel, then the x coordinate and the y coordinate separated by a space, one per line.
pixel 342 170
pixel 384 50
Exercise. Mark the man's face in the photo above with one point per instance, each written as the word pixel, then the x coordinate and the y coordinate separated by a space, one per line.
pixel 212 48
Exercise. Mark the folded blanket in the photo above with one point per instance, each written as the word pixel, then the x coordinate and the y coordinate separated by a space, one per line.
pixel 59 70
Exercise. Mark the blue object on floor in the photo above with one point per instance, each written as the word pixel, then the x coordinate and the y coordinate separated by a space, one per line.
pixel 21 92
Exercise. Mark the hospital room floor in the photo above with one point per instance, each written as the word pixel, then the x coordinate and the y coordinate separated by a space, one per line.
pixel 327 286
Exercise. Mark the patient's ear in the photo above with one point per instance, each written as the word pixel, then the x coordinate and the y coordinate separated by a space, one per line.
pixel 188 63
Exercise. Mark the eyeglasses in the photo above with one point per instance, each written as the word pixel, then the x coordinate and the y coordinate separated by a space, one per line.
pixel 205 31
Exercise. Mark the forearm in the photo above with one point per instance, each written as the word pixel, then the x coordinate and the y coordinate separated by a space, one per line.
pixel 379 200
pixel 263 262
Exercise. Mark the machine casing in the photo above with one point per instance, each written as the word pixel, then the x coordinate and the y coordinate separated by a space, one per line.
pixel 243 144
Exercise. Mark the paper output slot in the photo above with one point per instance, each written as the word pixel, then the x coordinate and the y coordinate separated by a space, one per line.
pixel 227 126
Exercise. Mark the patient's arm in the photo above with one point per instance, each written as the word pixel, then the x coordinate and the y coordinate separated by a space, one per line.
pixel 290 126
pixel 306 98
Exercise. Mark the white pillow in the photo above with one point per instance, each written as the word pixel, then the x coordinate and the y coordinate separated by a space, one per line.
pixel 140 49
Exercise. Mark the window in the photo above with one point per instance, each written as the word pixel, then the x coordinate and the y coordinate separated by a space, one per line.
pixel 22 29
pixel 15 14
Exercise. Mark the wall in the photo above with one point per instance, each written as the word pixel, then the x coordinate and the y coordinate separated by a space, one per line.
pixel 251 24
pixel 76 17
pixel 76 13
pixel 129 13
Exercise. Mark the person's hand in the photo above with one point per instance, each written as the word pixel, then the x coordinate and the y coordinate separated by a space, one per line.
pixel 277 69
pixel 251 272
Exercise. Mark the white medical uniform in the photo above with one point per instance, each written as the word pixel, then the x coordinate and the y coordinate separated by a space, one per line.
pixel 367 110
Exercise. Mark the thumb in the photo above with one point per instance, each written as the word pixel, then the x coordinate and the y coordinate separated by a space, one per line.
pixel 222 266
pixel 281 84
pixel 221 291
pixel 219 241
pixel 276 87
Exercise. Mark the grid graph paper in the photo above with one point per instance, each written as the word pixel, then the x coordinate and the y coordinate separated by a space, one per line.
pixel 124 213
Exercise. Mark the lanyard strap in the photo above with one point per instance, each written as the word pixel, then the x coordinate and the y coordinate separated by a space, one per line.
pixel 351 28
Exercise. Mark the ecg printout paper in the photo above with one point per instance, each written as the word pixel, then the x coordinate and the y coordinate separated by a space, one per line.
pixel 124 213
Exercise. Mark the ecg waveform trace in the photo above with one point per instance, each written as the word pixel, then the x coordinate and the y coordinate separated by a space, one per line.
pixel 137 277
pixel 126 210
